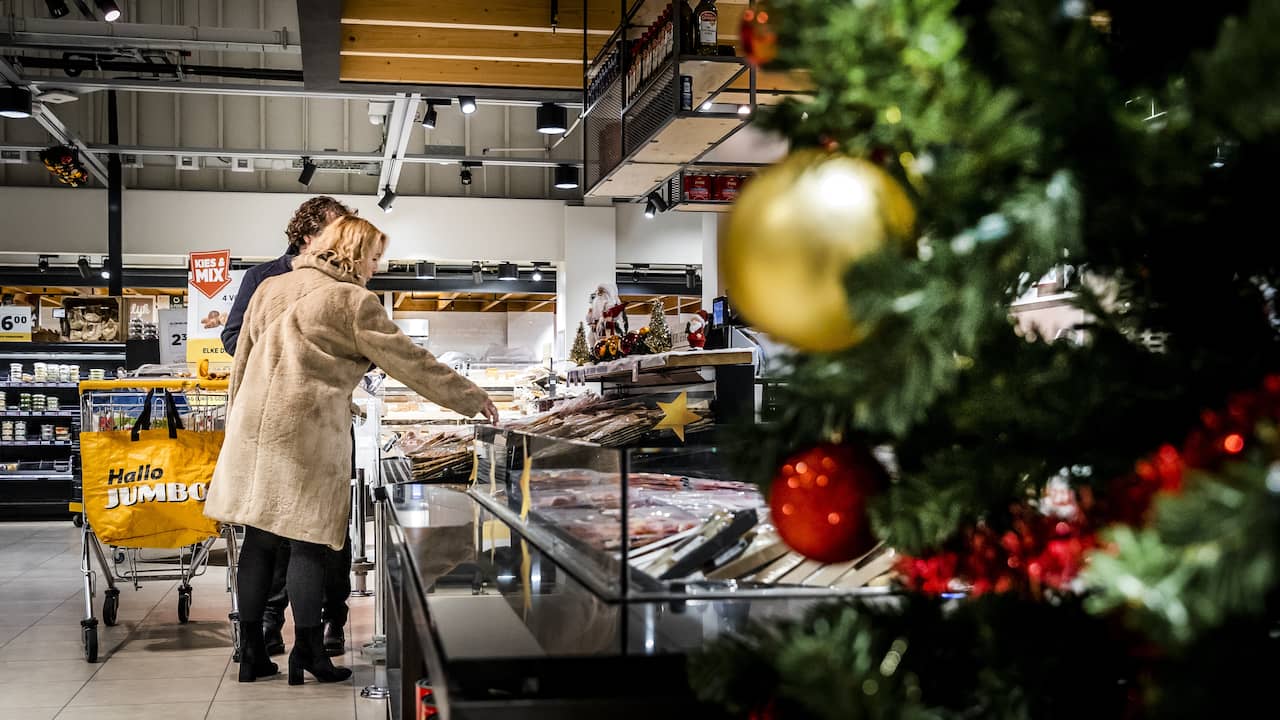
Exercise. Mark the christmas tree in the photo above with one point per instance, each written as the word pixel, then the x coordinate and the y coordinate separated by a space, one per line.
pixel 579 352
pixel 658 339
pixel 1085 527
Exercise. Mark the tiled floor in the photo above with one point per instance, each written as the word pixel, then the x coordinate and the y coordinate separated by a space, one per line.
pixel 150 666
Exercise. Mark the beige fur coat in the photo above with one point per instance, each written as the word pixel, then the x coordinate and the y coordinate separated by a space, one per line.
pixel 308 337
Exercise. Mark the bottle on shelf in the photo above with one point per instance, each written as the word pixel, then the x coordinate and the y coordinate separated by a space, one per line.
pixel 688 32
pixel 707 19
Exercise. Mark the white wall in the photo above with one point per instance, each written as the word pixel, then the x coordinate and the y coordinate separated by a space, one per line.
pixel 590 257
pixel 534 331
pixel 672 238
pixel 467 332
pixel 172 223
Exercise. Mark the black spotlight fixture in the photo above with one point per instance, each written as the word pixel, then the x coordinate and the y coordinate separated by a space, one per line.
pixel 467 103
pixel 552 119
pixel 110 10
pixel 426 269
pixel 105 272
pixel 654 204
pixel 477 273
pixel 43 263
pixel 465 174
pixel 429 117
pixel 57 8
pixel 308 171
pixel 690 277
pixel 86 273
pixel 537 273
pixel 387 200
pixel 566 177
pixel 508 271
pixel 638 270
pixel 15 102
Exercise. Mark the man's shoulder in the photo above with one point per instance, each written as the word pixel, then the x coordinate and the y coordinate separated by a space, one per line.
pixel 271 268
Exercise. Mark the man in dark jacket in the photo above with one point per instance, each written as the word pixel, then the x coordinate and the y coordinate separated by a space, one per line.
pixel 310 219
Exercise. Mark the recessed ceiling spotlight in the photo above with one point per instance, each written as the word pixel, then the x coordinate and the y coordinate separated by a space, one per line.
pixel 110 11
pixel 566 177
pixel 744 109
pixel 552 119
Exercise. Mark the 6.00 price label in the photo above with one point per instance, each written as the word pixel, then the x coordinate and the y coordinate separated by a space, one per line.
pixel 15 323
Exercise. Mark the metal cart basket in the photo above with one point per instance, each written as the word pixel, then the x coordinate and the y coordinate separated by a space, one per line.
pixel 109 405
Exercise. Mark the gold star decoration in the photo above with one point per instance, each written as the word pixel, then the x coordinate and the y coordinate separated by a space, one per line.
pixel 676 415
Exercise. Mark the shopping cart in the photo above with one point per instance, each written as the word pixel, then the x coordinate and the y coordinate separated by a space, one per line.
pixel 110 405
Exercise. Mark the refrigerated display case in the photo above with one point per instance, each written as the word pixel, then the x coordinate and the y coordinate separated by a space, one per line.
pixel 572 580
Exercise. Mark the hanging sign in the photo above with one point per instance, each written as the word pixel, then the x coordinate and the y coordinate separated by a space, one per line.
pixel 211 289
pixel 15 323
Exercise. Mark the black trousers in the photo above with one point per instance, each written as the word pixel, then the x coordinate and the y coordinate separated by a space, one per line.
pixel 304 577
pixel 336 587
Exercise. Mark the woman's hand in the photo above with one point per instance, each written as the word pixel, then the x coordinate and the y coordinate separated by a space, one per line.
pixel 490 412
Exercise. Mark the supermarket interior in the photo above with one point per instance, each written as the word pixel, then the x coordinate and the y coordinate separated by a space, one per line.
pixel 743 359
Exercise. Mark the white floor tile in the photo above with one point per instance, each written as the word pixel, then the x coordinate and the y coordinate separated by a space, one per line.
pixel 166 711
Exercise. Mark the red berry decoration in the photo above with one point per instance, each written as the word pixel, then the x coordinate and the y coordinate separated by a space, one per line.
pixel 819 501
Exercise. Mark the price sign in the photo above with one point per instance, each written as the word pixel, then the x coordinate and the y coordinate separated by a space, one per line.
pixel 173 336
pixel 15 323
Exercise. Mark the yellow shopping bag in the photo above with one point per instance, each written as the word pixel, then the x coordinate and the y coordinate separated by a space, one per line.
pixel 146 488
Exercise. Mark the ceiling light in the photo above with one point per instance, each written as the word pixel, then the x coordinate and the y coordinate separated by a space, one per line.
pixel 43 263
pixel 110 11
pixel 537 273
pixel 508 271
pixel 429 117
pixel 57 8
pixel 706 106
pixel 566 177
pixel 465 175
pixel 552 119
pixel 1219 160
pixel 308 171
pixel 690 278
pixel 654 205
pixel 477 273
pixel 387 200
pixel 426 269
pixel 744 109
pixel 83 265
pixel 467 103
pixel 15 102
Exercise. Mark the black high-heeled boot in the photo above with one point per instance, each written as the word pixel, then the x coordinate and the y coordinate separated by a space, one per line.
pixel 308 654
pixel 254 661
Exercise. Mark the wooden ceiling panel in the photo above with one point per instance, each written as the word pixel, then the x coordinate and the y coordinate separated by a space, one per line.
pixel 420 71
pixel 466 44
pixel 533 15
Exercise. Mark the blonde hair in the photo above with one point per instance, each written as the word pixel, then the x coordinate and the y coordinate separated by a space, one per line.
pixel 346 243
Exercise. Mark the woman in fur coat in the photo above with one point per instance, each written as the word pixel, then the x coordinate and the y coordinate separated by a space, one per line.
pixel 308 337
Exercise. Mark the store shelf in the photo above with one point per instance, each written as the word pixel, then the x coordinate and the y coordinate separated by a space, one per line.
pixel 38 385
pixel 36 476
pixel 38 413
pixel 37 443
pixel 632 180
pixel 665 362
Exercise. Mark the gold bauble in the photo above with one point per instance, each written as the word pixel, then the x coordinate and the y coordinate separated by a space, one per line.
pixel 792 235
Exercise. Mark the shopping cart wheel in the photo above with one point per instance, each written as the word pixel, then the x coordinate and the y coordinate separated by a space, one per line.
pixel 89 636
pixel 110 606
pixel 184 605
pixel 78 520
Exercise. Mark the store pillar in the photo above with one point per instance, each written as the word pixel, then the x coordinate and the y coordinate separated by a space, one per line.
pixel 710 272
pixel 590 258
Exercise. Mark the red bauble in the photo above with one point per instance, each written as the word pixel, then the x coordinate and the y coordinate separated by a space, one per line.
pixel 759 41
pixel 819 501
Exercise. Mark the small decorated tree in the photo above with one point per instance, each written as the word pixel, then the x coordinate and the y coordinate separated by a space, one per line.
pixel 579 352
pixel 658 338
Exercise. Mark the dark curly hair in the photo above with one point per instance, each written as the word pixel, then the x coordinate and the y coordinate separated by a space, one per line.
pixel 311 217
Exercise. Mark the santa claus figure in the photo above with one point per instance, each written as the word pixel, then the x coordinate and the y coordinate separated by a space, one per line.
pixel 696 330
pixel 606 315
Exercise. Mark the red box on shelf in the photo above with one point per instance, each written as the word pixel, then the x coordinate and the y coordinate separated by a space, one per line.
pixel 728 187
pixel 697 188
